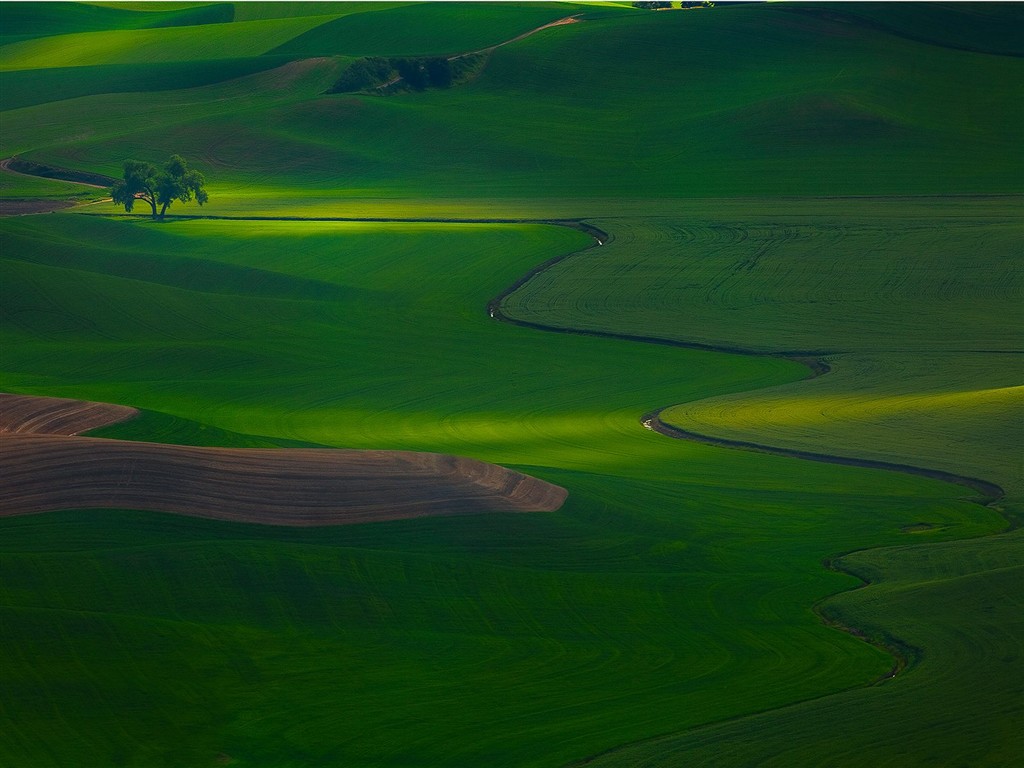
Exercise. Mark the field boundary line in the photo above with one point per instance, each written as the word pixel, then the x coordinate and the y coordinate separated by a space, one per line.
pixel 903 654
pixel 812 359
pixel 653 422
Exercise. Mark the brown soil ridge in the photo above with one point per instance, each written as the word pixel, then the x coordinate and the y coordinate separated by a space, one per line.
pixel 17 207
pixel 45 466
pixel 31 415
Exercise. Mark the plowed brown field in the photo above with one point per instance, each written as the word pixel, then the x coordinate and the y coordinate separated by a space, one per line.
pixel 46 466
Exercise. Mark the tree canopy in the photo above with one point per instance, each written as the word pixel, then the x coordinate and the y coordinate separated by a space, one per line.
pixel 159 186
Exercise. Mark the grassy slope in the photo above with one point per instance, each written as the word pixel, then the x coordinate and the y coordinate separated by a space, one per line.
pixel 425 28
pixel 849 278
pixel 962 602
pixel 253 11
pixel 17 186
pixel 962 413
pixel 28 87
pixel 685 538
pixel 208 41
pixel 479 639
pixel 915 305
pixel 27 21
pixel 23 21
pixel 145 71
pixel 114 57
pixel 985 27
pixel 799 106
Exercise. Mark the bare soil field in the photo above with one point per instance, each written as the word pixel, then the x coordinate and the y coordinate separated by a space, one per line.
pixel 29 415
pixel 46 466
pixel 21 207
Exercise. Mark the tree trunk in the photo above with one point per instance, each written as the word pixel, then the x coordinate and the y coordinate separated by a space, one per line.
pixel 163 209
pixel 150 197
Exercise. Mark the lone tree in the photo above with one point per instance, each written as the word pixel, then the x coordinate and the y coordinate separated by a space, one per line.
pixel 158 187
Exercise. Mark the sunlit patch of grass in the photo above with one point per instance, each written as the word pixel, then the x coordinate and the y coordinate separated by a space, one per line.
pixel 377 336
pixel 206 42
pixel 917 319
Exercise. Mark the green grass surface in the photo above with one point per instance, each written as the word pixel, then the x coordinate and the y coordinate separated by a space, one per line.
pixel 27 187
pixel 984 27
pixel 254 11
pixel 27 87
pixel 746 101
pixel 919 317
pixel 962 413
pixel 942 276
pixel 678 590
pixel 207 41
pixel 32 20
pixel 541 635
pixel 425 28
pixel 882 725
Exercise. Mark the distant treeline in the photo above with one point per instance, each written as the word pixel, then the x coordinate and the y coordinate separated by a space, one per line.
pixel 408 72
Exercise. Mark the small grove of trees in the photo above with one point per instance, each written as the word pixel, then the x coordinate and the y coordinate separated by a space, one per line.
pixel 417 73
pixel 434 72
pixel 368 72
pixel 158 186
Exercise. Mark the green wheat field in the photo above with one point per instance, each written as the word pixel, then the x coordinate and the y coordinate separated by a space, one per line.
pixel 811 240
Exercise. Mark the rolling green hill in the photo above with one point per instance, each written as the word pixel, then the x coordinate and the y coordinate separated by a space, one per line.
pixel 915 306
pixel 745 101
pixel 120 46
pixel 837 180
pixel 981 27
pixel 22 21
pixel 399 305
pixel 425 28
